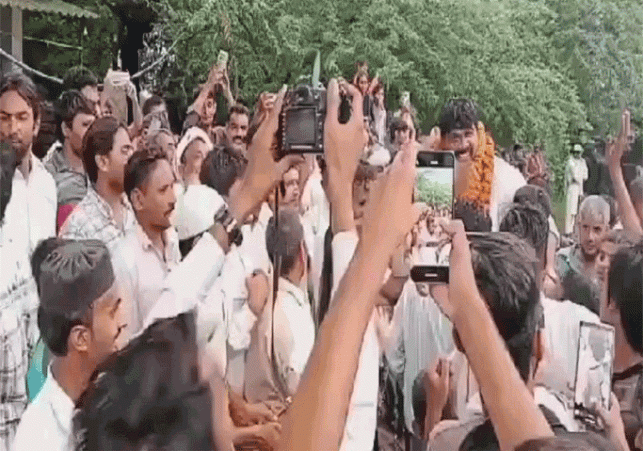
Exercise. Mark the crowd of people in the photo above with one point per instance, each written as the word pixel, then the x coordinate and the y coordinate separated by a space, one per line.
pixel 192 291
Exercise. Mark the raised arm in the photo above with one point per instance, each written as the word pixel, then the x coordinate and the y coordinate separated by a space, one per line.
pixel 615 150
pixel 516 417
pixel 317 416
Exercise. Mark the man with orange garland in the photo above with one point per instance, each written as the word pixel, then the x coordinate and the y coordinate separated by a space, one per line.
pixel 481 178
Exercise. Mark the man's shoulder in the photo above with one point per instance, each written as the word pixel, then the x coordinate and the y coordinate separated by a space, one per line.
pixel 36 424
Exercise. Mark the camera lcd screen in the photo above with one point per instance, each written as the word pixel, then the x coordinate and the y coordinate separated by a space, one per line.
pixel 301 127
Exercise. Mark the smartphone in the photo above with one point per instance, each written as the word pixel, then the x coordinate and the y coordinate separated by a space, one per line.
pixel 434 188
pixel 222 59
pixel 593 369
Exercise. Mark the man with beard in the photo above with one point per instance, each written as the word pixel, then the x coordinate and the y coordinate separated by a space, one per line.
pixel 79 320
pixel 33 188
pixel 104 213
pixel 236 129
pixel 481 178
pixel 150 250
pixel 18 300
pixel 66 163
pixel 580 260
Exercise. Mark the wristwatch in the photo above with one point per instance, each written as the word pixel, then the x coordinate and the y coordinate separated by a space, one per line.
pixel 229 224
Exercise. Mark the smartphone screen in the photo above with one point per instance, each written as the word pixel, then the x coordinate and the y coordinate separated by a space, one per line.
pixel 434 188
pixel 593 369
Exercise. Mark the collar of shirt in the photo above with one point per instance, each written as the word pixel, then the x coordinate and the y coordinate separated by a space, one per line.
pixel 37 167
pixel 59 162
pixel 292 289
pixel 105 209
pixel 170 255
pixel 61 404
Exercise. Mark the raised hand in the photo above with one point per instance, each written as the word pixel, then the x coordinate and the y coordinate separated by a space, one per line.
pixel 262 172
pixel 390 213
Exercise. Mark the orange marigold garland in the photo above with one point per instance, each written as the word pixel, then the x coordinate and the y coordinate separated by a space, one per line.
pixel 478 191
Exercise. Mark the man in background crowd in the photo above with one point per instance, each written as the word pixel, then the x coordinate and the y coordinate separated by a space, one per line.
pixel 66 162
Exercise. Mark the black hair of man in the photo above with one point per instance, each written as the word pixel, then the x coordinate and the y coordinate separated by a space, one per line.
pixel 612 203
pixel 624 284
pixel 397 124
pixel 579 289
pixel 418 400
pixel 72 274
pixel 78 77
pixel 284 238
pixel 238 108
pixel 99 140
pixel 151 103
pixel 473 218
pixel 535 195
pixel 505 272
pixel 528 222
pixel 636 191
pixel 68 106
pixel 458 114
pixel 221 168
pixel 148 395
pixel 138 168
pixel 8 164
pixel 571 441
pixel 25 87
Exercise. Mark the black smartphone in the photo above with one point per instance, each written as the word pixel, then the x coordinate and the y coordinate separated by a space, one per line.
pixel 593 370
pixel 434 188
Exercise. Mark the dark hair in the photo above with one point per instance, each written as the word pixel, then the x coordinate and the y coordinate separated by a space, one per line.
pixel 8 165
pixel 397 124
pixel 527 221
pixel 579 289
pixel 535 195
pixel 78 77
pixel 624 289
pixel 505 272
pixel 69 105
pixel 221 168
pixel 238 108
pixel 474 219
pixel 138 168
pixel 612 203
pixel 636 190
pixel 151 103
pixel 99 140
pixel 282 184
pixel 458 114
pixel 55 327
pixel 25 87
pixel 148 395
pixel 284 239
pixel 418 400
pixel 571 441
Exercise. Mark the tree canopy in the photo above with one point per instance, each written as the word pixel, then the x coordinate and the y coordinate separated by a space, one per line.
pixel 544 72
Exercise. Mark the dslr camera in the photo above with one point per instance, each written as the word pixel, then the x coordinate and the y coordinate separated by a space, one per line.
pixel 301 123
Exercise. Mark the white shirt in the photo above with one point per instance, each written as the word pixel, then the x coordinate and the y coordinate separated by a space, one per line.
pixel 359 433
pixel 421 333
pixel 47 422
pixel 36 198
pixel 506 181
pixel 141 269
pixel 294 335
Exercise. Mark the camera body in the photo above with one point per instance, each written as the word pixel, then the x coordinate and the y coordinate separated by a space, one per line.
pixel 301 123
